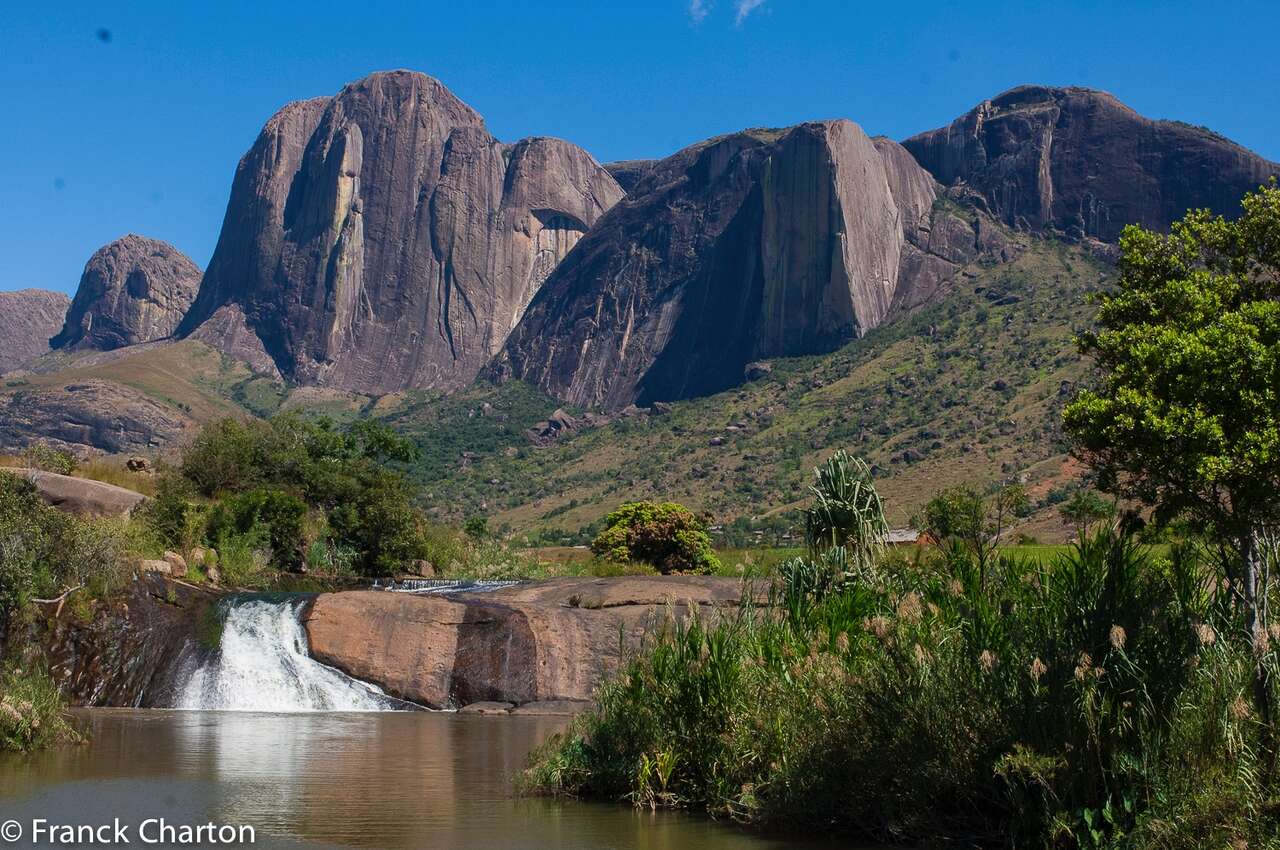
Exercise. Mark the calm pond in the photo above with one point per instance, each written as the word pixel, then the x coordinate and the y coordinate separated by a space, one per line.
pixel 377 779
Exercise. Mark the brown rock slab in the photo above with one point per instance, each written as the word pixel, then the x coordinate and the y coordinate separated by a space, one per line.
pixel 536 642
pixel 553 708
pixel 79 495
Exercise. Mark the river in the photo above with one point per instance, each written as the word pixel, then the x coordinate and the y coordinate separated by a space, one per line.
pixel 376 779
pixel 266 737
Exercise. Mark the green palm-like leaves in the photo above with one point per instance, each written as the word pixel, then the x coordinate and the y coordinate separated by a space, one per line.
pixel 847 511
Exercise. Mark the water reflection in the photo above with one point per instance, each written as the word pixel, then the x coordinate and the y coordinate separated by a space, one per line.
pixel 372 780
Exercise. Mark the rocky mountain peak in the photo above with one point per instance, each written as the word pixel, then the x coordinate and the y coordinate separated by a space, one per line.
pixel 762 243
pixel 133 290
pixel 1079 162
pixel 383 239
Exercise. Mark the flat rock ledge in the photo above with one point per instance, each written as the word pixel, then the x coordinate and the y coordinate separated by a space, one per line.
pixel 539 648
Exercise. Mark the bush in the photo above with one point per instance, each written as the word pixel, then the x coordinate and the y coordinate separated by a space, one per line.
pixel 666 535
pixel 280 517
pixel 49 459
pixel 44 552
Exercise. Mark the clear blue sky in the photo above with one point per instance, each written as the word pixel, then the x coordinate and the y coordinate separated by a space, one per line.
pixel 141 131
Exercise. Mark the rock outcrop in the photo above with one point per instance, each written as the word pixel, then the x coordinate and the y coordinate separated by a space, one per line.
pixel 28 317
pixel 1082 163
pixel 80 496
pixel 382 239
pixel 759 244
pixel 128 651
pixel 88 414
pixel 628 172
pixel 133 290
pixel 543 642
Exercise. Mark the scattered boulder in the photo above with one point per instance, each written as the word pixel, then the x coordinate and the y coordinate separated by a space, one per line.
pixel 137 464
pixel 177 564
pixel 757 369
pixel 155 565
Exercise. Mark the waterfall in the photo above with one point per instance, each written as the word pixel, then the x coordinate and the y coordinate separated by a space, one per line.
pixel 263 665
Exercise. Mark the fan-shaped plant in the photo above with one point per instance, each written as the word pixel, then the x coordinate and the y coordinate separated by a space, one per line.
pixel 847 511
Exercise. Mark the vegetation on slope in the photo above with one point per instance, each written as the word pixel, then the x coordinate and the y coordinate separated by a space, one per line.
pixel 965 391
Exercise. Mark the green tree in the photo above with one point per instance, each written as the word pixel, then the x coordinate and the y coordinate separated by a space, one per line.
pixel 1185 416
pixel 667 535
pixel 1084 508
pixel 963 516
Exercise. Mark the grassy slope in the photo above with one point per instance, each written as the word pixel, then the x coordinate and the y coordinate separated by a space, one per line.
pixel 969 390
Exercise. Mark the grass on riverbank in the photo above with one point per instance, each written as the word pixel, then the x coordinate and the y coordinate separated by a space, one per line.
pixel 1102 700
pixel 32 711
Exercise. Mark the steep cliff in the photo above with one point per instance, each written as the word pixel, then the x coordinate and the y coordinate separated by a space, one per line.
pixel 133 290
pixel 28 317
pixel 758 244
pixel 1081 162
pixel 382 239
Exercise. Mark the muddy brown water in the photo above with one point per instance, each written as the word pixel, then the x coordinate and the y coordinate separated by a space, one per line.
pixel 361 780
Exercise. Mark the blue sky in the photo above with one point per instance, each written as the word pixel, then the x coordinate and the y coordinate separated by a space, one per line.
pixel 131 117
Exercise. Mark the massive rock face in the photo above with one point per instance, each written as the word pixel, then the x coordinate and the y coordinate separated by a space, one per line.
pixel 757 244
pixel 382 239
pixel 1079 161
pixel 133 290
pixel 28 317
pixel 547 641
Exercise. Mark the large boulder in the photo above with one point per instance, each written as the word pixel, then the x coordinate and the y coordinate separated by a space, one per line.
pixel 754 245
pixel 28 317
pixel 133 290
pixel 1081 162
pixel 547 641
pixel 80 496
pixel 382 239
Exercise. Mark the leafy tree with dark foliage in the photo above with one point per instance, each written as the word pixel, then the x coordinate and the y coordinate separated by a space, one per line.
pixel 1186 414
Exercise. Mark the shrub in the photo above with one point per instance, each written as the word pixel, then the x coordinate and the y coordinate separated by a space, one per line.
pixel 49 459
pixel 667 535
pixel 44 552
pixel 279 515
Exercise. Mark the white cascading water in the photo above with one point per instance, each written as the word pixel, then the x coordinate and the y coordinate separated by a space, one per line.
pixel 263 665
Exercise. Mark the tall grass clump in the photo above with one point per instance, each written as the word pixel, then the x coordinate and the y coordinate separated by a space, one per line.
pixel 31 711
pixel 1099 700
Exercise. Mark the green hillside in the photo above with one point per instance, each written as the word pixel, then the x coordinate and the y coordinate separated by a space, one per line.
pixel 968 390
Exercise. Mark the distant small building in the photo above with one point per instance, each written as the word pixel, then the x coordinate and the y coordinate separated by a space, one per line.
pixel 908 537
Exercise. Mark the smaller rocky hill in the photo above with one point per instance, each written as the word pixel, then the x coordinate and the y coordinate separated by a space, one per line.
pixel 133 290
